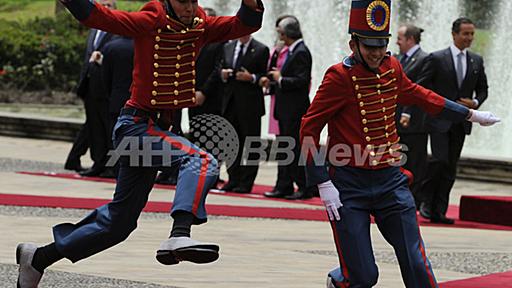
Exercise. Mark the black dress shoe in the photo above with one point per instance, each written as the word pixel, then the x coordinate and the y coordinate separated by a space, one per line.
pixel 229 186
pixel 277 194
pixel 241 190
pixel 442 220
pixel 424 211
pixel 299 195
pixel 93 172
pixel 77 167
pixel 108 173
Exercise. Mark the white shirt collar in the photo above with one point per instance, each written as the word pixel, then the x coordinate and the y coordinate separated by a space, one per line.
pixel 292 47
pixel 412 50
pixel 238 44
pixel 456 51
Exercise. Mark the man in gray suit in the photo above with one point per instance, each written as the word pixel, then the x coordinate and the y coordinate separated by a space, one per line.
pixel 456 74
pixel 411 119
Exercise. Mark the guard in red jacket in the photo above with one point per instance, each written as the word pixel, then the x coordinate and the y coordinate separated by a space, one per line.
pixel 358 99
pixel 168 35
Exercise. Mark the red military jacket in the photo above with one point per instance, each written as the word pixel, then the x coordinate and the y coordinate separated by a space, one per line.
pixel 359 107
pixel 165 49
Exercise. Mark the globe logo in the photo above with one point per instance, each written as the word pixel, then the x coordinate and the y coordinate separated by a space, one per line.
pixel 214 134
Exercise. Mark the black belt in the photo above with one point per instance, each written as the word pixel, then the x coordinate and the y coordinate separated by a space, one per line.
pixel 140 113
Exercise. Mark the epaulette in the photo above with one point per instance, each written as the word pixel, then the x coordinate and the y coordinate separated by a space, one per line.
pixel 349 61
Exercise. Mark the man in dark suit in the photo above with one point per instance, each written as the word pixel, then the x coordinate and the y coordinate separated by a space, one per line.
pixel 117 78
pixel 117 75
pixel 411 119
pixel 244 62
pixel 292 101
pixel 93 134
pixel 207 77
pixel 456 74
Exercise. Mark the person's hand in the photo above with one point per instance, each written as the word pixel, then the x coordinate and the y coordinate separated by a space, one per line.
pixel 200 98
pixel 483 118
pixel 405 121
pixel 331 198
pixel 244 76
pixel 225 74
pixel 264 82
pixel 97 57
pixel 276 74
pixel 467 102
pixel 253 4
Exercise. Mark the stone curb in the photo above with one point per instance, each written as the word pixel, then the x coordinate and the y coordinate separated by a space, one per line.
pixel 39 127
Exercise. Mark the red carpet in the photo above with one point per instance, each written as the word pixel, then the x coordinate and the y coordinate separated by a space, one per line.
pixel 257 190
pixel 226 210
pixel 486 209
pixel 213 209
pixel 164 207
pixel 498 280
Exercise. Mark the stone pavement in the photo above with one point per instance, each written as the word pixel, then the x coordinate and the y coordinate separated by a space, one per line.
pixel 254 252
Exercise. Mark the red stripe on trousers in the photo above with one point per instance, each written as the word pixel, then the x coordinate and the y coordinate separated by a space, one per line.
pixel 181 146
pixel 344 269
pixel 424 256
pixel 200 183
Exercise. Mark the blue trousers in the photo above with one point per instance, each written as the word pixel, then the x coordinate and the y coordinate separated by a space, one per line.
pixel 112 223
pixel 384 194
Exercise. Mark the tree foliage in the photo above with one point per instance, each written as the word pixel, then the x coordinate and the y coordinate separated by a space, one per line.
pixel 41 54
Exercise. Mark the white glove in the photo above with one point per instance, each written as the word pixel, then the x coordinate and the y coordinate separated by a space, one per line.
pixel 484 118
pixel 97 57
pixel 331 198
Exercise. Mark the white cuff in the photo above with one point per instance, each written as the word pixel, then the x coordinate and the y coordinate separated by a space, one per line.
pixel 325 184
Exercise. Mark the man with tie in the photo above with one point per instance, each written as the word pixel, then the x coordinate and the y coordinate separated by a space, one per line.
pixel 243 63
pixel 411 119
pixel 292 101
pixel 117 70
pixel 95 132
pixel 456 74
pixel 207 77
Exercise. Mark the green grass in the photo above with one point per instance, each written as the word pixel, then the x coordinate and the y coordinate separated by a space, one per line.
pixel 130 5
pixel 13 5
pixel 22 10
pixel 25 10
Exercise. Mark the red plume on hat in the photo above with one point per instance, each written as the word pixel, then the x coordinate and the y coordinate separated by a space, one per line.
pixel 370 20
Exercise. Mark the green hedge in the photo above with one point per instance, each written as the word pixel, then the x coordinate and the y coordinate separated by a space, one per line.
pixel 41 54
